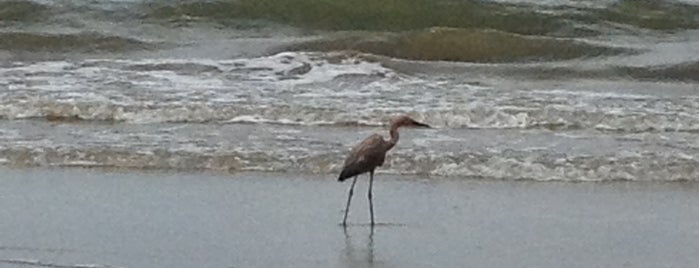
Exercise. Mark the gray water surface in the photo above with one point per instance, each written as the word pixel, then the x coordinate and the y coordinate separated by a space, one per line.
pixel 73 217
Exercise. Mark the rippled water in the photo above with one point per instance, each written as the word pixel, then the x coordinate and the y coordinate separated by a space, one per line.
pixel 587 96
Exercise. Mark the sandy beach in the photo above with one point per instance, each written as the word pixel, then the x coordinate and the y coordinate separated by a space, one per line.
pixel 74 217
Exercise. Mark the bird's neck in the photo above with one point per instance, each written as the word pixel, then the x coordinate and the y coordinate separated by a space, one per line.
pixel 394 137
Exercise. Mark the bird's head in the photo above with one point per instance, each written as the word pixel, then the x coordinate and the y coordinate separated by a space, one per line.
pixel 406 121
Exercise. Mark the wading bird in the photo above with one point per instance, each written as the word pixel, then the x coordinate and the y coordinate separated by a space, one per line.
pixel 370 154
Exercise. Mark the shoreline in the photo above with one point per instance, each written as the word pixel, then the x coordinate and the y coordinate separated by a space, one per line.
pixel 329 176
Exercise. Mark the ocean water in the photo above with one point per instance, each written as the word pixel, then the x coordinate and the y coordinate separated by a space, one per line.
pixel 515 89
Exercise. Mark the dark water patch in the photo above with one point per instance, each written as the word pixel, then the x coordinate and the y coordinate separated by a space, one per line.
pixel 688 72
pixel 386 15
pixel 366 15
pixel 449 44
pixel 67 13
pixel 653 14
pixel 62 118
pixel 13 11
pixel 402 15
pixel 664 15
pixel 78 42
pixel 684 72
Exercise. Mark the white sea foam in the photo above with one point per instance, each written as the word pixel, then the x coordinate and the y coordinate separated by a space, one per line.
pixel 463 154
pixel 303 111
pixel 314 89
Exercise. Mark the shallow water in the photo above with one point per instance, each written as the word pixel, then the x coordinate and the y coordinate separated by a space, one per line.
pixel 563 90
pixel 71 217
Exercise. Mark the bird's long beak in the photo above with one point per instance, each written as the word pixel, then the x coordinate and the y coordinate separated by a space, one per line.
pixel 418 124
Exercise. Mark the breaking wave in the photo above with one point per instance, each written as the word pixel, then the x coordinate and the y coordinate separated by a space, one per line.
pixel 685 72
pixel 78 42
pixel 508 165
pixel 563 90
pixel 477 117
pixel 297 88
pixel 451 44
pixel 570 18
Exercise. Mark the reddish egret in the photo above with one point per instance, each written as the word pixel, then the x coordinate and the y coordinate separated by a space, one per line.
pixel 370 154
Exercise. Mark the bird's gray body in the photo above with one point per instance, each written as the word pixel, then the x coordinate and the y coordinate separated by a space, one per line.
pixel 366 156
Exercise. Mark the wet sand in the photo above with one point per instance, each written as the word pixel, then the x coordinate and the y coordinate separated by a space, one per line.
pixel 118 219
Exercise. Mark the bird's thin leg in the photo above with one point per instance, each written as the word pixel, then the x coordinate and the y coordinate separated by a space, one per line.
pixel 371 203
pixel 349 198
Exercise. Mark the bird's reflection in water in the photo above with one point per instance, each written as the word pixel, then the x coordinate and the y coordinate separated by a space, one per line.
pixel 356 253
